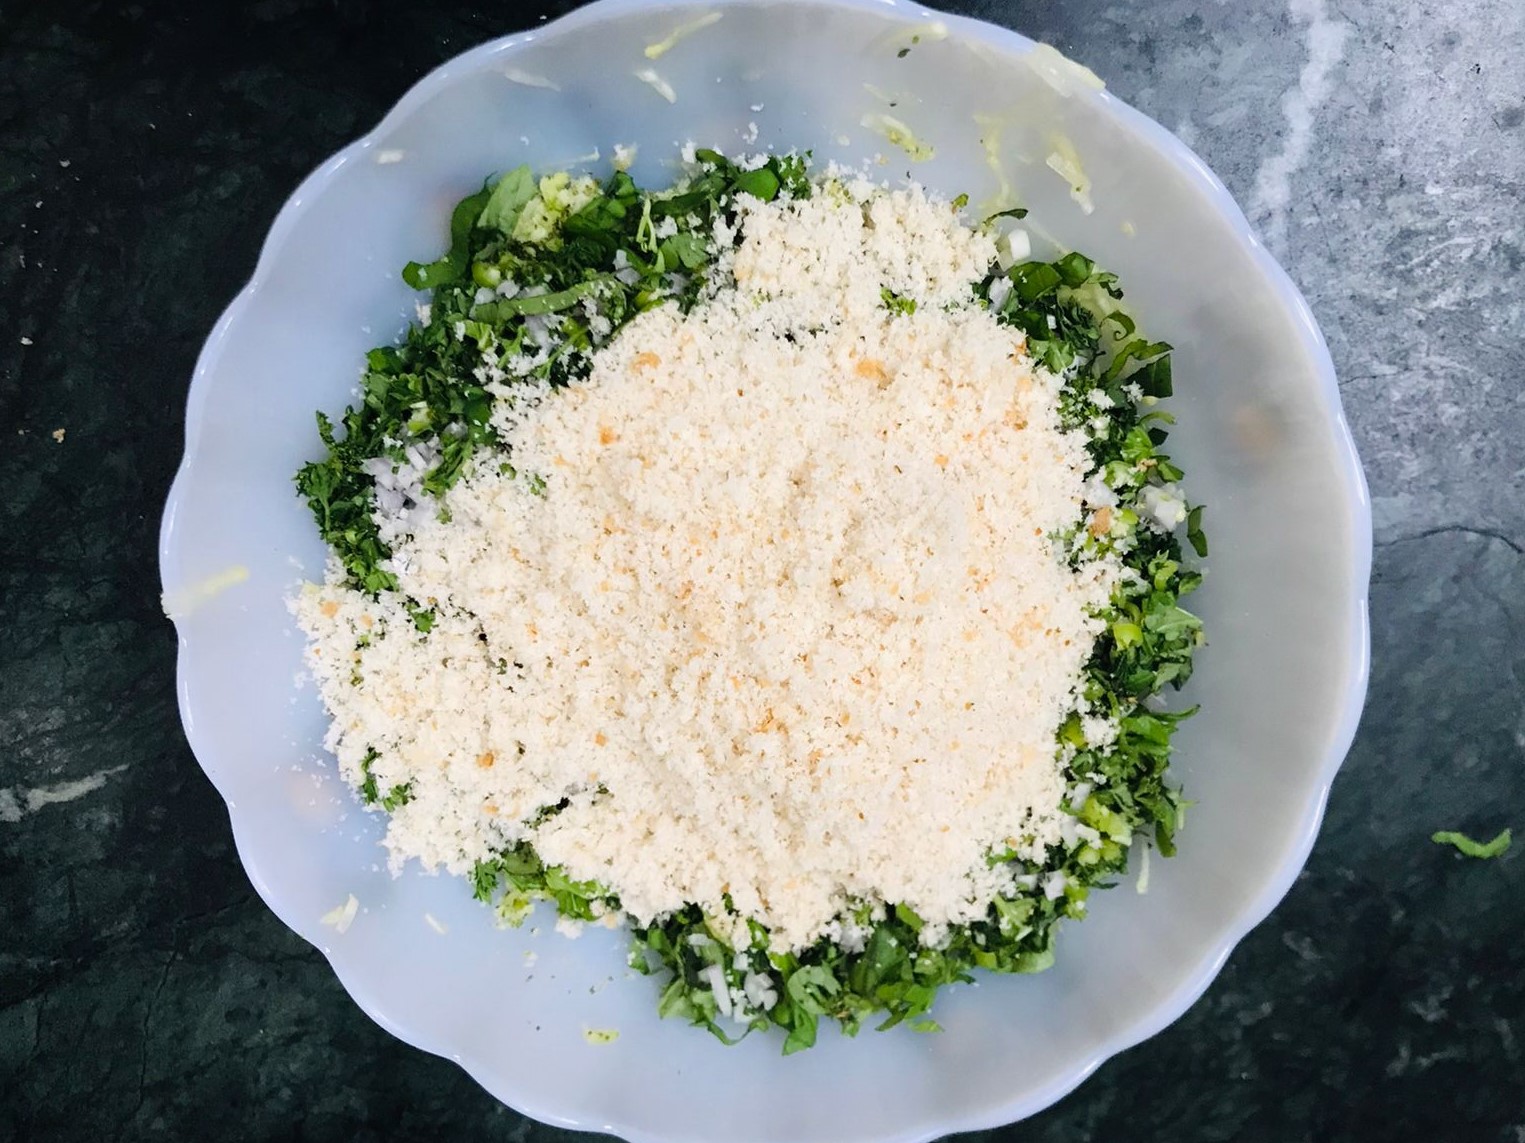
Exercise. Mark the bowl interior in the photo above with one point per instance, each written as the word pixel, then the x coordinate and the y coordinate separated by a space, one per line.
pixel 1259 434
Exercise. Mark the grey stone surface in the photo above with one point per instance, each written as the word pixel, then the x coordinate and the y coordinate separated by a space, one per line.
pixel 145 992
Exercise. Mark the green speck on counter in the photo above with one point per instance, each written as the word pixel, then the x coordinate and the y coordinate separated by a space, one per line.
pixel 1470 848
pixel 600 1035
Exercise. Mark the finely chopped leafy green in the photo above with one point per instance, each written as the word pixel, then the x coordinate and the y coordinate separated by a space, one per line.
pixel 596 256
pixel 1470 847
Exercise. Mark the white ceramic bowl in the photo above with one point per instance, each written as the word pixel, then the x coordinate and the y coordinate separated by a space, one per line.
pixel 1261 437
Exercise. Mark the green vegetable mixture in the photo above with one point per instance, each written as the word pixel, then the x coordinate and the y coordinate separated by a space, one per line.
pixel 567 239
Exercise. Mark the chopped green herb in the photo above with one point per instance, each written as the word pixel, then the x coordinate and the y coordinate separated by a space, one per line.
pixel 1470 848
pixel 370 794
pixel 399 795
pixel 1194 534
pixel 509 197
pixel 1014 212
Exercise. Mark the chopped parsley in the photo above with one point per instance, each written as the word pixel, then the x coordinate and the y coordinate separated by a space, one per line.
pixel 370 793
pixel 1468 847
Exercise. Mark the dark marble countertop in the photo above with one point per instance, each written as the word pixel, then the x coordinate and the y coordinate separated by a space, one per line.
pixel 145 991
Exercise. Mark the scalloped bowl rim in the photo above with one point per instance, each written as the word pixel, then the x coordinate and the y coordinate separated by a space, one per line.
pixel 1278 882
